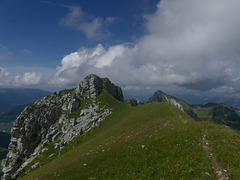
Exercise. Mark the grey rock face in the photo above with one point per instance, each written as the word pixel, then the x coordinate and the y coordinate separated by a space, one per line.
pixel 115 91
pixel 174 102
pixel 48 119
pixel 93 85
pixel 90 87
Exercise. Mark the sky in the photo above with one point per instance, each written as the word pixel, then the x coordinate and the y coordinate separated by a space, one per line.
pixel 177 45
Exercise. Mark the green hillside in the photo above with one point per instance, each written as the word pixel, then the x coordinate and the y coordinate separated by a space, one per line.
pixel 218 113
pixel 151 141
pixel 160 96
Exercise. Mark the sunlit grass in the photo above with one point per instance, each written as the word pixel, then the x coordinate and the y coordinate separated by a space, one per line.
pixel 151 141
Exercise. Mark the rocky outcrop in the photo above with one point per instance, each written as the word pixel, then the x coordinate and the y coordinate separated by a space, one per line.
pixel 58 117
pixel 174 102
pixel 93 85
pixel 160 96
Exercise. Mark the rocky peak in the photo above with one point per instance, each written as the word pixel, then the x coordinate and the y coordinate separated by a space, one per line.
pixel 59 117
pixel 92 86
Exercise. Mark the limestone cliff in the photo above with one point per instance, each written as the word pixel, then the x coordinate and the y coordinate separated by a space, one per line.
pixel 60 116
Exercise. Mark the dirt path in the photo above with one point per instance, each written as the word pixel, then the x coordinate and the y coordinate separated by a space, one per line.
pixel 220 171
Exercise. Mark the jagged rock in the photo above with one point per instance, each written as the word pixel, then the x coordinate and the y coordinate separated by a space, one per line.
pixel 90 87
pixel 115 91
pixel 174 102
pixel 35 165
pixel 48 120
pixel 73 105
pixel 93 85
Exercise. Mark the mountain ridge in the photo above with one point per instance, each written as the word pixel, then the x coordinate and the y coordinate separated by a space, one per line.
pixel 218 113
pixel 65 134
pixel 42 121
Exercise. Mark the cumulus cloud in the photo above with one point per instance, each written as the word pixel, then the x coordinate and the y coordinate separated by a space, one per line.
pixel 189 43
pixel 28 79
pixel 4 75
pixel 92 27
pixel 93 60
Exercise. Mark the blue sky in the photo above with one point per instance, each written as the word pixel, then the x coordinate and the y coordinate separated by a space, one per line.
pixel 175 45
pixel 31 29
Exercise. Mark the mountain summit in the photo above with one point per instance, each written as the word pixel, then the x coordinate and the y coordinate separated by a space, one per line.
pixel 55 117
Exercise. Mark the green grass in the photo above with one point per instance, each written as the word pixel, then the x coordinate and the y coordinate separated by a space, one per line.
pixel 150 141
pixel 204 113
pixel 225 144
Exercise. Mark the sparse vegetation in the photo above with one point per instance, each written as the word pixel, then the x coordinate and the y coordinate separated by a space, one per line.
pixel 152 141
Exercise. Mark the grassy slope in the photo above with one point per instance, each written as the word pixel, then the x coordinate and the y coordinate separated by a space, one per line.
pixel 155 140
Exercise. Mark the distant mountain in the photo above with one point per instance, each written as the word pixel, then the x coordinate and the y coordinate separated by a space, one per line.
pixel 11 97
pixel 218 113
pixel 160 96
pixel 12 114
pixel 231 99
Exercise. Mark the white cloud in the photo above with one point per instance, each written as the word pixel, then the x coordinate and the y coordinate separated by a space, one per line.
pixel 4 75
pixel 85 61
pixel 28 79
pixel 92 27
pixel 189 43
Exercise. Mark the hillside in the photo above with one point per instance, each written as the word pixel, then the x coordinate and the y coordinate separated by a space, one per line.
pixel 153 141
pixel 160 96
pixel 220 114
pixel 217 113
pixel 149 141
